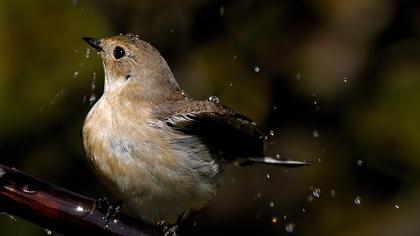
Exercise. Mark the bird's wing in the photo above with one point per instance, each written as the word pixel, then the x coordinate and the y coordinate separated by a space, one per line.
pixel 227 134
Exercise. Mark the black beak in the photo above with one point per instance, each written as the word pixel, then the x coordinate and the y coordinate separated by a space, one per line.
pixel 94 42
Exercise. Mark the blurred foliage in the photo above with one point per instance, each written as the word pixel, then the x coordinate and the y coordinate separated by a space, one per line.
pixel 336 81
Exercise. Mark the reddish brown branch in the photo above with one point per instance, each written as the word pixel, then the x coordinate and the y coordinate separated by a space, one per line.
pixel 59 209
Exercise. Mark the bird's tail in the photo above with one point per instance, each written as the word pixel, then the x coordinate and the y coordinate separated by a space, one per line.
pixel 279 162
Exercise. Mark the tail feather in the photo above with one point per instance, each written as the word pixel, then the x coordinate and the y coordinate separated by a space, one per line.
pixel 279 162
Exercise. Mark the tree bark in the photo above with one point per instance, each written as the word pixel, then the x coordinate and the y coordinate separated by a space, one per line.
pixel 61 210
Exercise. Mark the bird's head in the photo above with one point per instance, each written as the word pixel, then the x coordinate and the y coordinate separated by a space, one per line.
pixel 134 67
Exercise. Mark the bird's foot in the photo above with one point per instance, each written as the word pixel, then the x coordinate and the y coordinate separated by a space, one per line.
pixel 166 229
pixel 111 209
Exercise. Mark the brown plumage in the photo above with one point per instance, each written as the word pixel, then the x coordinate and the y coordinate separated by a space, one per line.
pixel 158 150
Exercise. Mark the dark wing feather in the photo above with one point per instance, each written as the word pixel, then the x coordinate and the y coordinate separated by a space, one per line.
pixel 227 134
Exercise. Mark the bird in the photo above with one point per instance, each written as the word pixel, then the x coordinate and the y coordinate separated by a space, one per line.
pixel 157 149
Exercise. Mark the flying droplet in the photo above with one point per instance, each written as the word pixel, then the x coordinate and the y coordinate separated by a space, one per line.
pixel 396 206
pixel 333 193
pixel 274 220
pixel 315 134
pixel 345 80
pixel 268 176
pixel 359 162
pixel 87 54
pixel 316 192
pixel 76 73
pixel 271 132
pixel 257 69
pixel 358 201
pixel 80 209
pixel 2 172
pixel 222 10
pixel 290 227
pixel 214 99
pixel 48 232
pixel 271 204
pixel 92 98
pixel 93 81
pixel 298 76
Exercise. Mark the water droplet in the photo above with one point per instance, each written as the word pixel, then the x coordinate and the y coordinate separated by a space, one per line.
pixel 259 195
pixel 319 160
pixel 358 201
pixel 333 193
pixel 92 99
pixel 274 220
pixel 2 172
pixel 76 73
pixel 359 162
pixel 345 80
pixel 303 210
pixel 87 54
pixel 316 192
pixel 214 99
pixel 277 155
pixel 257 69
pixel 233 180
pixel 290 227
pixel 268 176
pixel 315 134
pixel 231 84
pixel 93 81
pixel 298 76
pixel 284 216
pixel 271 132
pixel 26 189
pixel 396 206
pixel 80 209
pixel 172 31
pixel 271 204
pixel 222 10
pixel 275 108
pixel 235 57
pixel 310 198
pixel 48 232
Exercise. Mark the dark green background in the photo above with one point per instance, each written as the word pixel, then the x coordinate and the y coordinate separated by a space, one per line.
pixel 338 84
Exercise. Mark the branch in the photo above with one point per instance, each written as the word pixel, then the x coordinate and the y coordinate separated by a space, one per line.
pixel 61 210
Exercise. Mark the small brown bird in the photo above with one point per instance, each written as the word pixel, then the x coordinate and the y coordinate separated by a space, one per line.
pixel 158 150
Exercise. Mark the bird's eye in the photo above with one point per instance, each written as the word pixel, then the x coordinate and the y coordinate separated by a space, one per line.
pixel 119 52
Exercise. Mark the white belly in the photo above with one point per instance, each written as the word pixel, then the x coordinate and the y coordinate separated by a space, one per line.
pixel 149 168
